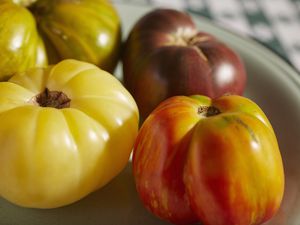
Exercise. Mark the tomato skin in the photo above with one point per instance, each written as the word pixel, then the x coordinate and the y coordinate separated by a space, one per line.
pixel 249 160
pixel 84 30
pixel 52 157
pixel 223 168
pixel 36 33
pixel 21 45
pixel 166 54
pixel 158 160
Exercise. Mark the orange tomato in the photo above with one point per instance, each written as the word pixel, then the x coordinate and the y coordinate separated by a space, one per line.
pixel 214 161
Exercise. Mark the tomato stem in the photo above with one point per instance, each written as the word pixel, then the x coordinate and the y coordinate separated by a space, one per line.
pixel 208 111
pixel 54 99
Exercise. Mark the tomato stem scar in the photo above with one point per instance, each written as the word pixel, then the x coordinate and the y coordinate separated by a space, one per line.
pixel 208 111
pixel 54 99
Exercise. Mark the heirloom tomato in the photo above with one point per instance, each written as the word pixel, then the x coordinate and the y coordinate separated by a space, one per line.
pixel 168 55
pixel 66 130
pixel 34 33
pixel 214 161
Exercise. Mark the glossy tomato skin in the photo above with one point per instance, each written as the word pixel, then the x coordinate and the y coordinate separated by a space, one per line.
pixel 158 160
pixel 23 2
pixel 21 45
pixel 51 157
pixel 83 30
pixel 225 163
pixel 166 55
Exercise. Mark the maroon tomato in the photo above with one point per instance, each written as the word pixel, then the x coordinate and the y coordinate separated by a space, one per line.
pixel 165 55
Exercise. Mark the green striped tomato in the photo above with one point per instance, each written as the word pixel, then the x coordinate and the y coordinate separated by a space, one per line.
pixel 47 31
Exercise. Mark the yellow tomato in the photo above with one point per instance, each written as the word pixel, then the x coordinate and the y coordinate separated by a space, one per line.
pixel 65 131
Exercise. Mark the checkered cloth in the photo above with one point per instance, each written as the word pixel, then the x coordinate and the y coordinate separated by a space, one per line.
pixel 274 23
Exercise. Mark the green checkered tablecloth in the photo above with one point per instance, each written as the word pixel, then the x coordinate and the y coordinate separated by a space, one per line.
pixel 275 23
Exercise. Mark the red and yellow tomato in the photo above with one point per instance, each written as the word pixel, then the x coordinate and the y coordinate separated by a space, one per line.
pixel 214 161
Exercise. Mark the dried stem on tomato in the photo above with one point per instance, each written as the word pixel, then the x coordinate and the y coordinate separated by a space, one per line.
pixel 54 99
pixel 208 111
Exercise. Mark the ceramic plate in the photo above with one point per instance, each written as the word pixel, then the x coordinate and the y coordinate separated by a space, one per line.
pixel 272 84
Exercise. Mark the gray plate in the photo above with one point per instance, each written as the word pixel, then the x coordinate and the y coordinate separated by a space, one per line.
pixel 272 84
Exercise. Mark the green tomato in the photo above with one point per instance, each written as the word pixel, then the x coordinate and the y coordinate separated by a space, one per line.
pixel 20 45
pixel 48 31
